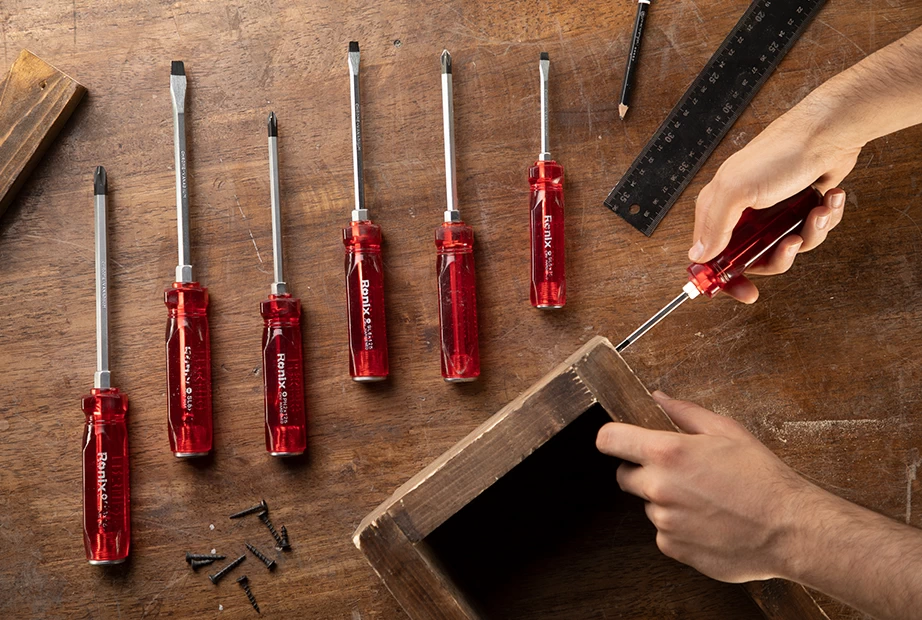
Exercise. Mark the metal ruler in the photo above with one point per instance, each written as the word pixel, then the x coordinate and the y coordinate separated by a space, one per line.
pixel 708 109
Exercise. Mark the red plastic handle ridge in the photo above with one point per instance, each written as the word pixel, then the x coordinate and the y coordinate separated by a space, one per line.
pixel 188 361
pixel 368 359
pixel 283 376
pixel 757 232
pixel 457 302
pixel 106 496
pixel 546 224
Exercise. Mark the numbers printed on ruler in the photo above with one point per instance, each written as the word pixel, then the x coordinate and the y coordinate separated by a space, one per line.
pixel 708 109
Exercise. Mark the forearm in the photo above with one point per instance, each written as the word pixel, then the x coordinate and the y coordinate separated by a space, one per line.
pixel 877 96
pixel 858 556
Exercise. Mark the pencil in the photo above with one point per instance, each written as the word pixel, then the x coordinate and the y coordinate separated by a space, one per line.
pixel 633 57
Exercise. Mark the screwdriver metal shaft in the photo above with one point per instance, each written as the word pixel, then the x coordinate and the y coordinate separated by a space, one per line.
pixel 279 287
pixel 448 133
pixel 101 379
pixel 178 96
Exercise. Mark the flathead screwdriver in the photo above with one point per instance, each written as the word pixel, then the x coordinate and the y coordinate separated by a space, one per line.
pixel 368 360
pixel 106 499
pixel 548 280
pixel 757 232
pixel 283 366
pixel 454 241
pixel 188 348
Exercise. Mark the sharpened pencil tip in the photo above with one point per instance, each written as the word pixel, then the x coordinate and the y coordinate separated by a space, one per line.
pixel 178 68
pixel 446 61
pixel 545 56
pixel 273 125
pixel 353 46
pixel 622 111
pixel 99 181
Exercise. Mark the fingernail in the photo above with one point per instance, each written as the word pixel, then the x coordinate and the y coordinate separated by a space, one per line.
pixel 838 200
pixel 696 252
pixel 660 395
pixel 821 222
pixel 794 248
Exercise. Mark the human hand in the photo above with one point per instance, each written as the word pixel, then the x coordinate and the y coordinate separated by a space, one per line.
pixel 792 153
pixel 720 500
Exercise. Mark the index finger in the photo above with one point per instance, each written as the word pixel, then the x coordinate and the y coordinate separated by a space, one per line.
pixel 633 443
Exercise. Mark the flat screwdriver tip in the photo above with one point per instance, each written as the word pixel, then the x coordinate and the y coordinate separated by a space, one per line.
pixel 178 68
pixel 446 62
pixel 273 125
pixel 353 47
pixel 622 111
pixel 545 56
pixel 100 184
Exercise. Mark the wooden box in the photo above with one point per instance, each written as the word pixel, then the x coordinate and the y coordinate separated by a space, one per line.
pixel 521 518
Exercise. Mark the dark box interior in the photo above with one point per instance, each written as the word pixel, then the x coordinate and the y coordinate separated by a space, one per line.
pixel 555 538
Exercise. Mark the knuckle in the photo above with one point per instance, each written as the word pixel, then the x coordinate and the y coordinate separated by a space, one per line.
pixel 667 546
pixel 667 452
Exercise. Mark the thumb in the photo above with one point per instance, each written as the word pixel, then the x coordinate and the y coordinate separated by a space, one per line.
pixel 717 210
pixel 689 417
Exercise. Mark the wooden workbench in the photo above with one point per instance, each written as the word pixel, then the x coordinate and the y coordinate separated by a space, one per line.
pixel 825 368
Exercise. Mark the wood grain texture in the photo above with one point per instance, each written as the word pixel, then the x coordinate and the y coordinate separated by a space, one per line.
pixel 35 101
pixel 824 368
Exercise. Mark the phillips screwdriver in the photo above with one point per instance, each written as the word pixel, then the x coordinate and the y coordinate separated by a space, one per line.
pixel 283 370
pixel 188 349
pixel 364 266
pixel 757 232
pixel 454 242
pixel 548 281
pixel 106 501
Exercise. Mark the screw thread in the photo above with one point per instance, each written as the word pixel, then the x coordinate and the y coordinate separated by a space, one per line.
pixel 264 517
pixel 285 544
pixel 191 557
pixel 269 562
pixel 218 576
pixel 200 563
pixel 244 583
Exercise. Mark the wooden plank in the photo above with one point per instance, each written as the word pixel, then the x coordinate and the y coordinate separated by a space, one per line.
pixel 626 400
pixel 36 100
pixel 411 574
pixel 456 477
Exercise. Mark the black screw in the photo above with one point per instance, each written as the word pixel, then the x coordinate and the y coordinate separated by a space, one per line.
pixel 202 556
pixel 218 576
pixel 264 517
pixel 196 564
pixel 286 546
pixel 269 562
pixel 261 506
pixel 245 584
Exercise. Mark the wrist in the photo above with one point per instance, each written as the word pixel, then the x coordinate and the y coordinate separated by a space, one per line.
pixel 801 521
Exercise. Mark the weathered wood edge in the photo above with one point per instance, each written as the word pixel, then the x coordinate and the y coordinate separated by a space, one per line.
pixel 53 105
pixel 426 500
pixel 626 399
pixel 411 574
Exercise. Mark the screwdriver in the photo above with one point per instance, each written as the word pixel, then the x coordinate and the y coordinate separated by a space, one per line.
pixel 106 501
pixel 454 242
pixel 757 232
pixel 188 349
pixel 364 267
pixel 548 281
pixel 283 371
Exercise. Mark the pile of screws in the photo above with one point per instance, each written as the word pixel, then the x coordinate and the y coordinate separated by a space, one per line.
pixel 197 560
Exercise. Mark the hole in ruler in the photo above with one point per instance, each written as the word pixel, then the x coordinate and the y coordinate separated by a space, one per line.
pixel 634 210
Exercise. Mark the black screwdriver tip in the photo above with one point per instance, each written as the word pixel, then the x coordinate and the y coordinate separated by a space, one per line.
pixel 273 125
pixel 353 46
pixel 446 61
pixel 99 181
pixel 178 68
pixel 544 56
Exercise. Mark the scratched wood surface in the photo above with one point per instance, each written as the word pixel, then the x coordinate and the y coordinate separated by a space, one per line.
pixel 825 368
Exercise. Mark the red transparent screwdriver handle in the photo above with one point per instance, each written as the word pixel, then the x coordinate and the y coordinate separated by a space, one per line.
pixel 188 361
pixel 106 498
pixel 457 301
pixel 548 279
pixel 365 302
pixel 283 376
pixel 757 232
